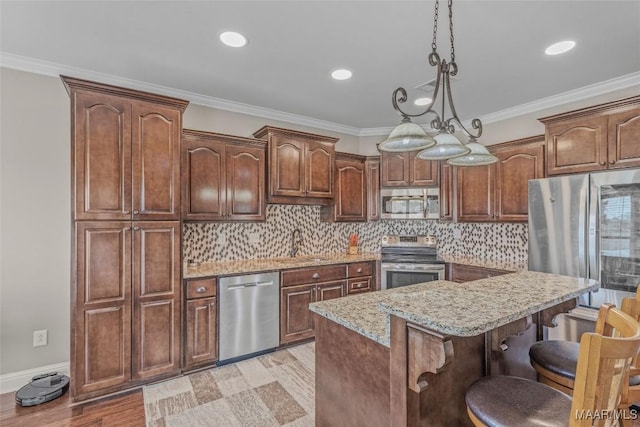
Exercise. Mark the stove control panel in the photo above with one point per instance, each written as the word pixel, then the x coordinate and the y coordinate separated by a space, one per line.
pixel 394 240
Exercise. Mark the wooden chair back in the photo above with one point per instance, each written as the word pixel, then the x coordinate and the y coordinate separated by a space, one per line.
pixel 603 365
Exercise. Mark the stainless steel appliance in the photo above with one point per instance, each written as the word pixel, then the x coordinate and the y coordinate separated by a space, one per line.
pixel 588 226
pixel 408 260
pixel 249 315
pixel 410 203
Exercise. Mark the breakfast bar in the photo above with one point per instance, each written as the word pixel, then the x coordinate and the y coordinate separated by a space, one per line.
pixel 406 356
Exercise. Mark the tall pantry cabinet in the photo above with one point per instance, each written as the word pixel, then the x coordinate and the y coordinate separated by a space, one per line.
pixel 126 254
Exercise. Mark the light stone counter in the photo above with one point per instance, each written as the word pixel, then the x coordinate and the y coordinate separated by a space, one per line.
pixel 225 268
pixel 459 309
pixel 512 265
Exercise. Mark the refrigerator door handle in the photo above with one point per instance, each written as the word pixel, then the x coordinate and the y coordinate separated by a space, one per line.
pixel 594 249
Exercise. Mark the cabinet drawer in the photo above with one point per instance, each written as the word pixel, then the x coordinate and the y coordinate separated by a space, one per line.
pixel 466 273
pixel 361 284
pixel 313 274
pixel 358 269
pixel 201 288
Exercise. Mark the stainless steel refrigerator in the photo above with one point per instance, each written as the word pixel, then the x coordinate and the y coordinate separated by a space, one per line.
pixel 588 226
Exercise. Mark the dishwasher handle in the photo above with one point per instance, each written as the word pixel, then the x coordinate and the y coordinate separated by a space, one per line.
pixel 249 285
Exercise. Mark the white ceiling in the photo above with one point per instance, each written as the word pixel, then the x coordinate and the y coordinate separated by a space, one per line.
pixel 294 45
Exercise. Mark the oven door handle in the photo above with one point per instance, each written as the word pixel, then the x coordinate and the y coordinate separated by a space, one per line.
pixel 413 267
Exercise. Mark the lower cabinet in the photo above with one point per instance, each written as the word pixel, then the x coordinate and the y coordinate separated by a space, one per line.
pixel 461 273
pixel 200 323
pixel 361 277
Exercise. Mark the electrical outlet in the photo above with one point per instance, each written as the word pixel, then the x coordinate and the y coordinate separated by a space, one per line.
pixel 222 239
pixel 457 233
pixel 39 338
pixel 254 237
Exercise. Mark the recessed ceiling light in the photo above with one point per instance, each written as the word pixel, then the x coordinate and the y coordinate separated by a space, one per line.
pixel 560 47
pixel 341 74
pixel 422 101
pixel 233 39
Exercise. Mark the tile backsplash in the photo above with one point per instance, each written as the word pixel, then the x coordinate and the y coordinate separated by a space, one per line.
pixel 220 241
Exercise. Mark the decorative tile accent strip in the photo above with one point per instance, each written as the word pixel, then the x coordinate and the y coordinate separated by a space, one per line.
pixel 229 241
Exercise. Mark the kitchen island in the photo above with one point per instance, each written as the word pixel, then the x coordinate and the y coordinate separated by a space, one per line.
pixel 406 356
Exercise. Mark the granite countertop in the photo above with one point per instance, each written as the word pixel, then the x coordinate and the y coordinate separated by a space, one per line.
pixel 460 309
pixel 507 265
pixel 249 266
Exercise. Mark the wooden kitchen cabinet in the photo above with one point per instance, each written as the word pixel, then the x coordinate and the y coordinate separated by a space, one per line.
pixel 498 192
pixel 372 176
pixel 200 323
pixel 350 201
pixel 597 138
pixel 461 273
pixel 222 177
pixel 301 166
pixel 404 169
pixel 125 153
pixel 125 305
pixel 299 288
pixel 361 277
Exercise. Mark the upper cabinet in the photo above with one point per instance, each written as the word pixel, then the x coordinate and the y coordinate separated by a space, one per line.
pixel 602 137
pixel 300 166
pixel 372 175
pixel 404 169
pixel 497 192
pixel 222 177
pixel 125 153
pixel 350 202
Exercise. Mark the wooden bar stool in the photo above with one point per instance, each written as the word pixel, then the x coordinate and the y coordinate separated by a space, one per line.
pixel 556 361
pixel 603 366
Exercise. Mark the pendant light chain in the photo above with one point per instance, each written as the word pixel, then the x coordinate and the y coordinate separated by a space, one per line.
pixel 434 45
pixel 453 52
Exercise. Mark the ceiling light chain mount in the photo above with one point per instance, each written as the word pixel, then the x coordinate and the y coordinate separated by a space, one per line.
pixel 409 136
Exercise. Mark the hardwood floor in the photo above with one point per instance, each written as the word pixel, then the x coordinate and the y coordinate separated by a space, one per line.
pixel 124 410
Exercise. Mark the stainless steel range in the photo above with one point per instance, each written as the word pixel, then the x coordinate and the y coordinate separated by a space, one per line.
pixel 408 260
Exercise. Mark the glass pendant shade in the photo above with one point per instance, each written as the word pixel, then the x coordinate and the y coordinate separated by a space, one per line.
pixel 406 136
pixel 478 156
pixel 447 146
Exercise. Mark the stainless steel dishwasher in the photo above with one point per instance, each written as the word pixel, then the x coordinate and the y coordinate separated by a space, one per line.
pixel 249 315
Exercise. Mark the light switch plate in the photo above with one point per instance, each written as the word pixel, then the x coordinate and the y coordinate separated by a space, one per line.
pixel 254 237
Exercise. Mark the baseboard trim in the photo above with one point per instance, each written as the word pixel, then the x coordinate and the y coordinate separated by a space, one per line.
pixel 14 380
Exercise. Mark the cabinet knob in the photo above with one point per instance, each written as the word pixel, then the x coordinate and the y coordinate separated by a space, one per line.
pixel 361 285
pixel 359 270
pixel 201 289
pixel 315 276
pixel 136 228
pixel 136 212
pixel 126 212
pixel 612 162
pixel 127 228
pixel 603 163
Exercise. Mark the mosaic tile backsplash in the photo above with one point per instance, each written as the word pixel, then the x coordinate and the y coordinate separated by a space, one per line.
pixel 214 241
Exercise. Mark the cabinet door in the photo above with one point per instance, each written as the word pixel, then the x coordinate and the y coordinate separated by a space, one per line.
pixel 201 338
pixel 331 290
pixel 156 298
pixel 101 165
pixel 422 172
pixel 577 146
pixel 286 167
pixel 319 160
pixel 394 169
pixel 475 191
pixel 155 139
pixel 101 321
pixel 372 189
pixel 350 201
pixel 466 273
pixel 447 196
pixel 296 322
pixel 624 139
pixel 515 167
pixel 203 179
pixel 245 183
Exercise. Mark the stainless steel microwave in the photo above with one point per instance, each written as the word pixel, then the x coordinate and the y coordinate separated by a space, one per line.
pixel 410 203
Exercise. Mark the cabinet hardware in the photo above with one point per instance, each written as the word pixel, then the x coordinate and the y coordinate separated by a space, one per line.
pixel 127 228
pixel 359 270
pixel 201 289
pixel 315 276
pixel 136 228
pixel 126 212
pixel 612 162
pixel 136 212
pixel 603 163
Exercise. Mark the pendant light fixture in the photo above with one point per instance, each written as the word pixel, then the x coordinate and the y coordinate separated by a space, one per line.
pixel 447 145
pixel 478 155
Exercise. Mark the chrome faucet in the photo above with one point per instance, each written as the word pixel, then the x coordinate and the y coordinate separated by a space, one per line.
pixel 295 244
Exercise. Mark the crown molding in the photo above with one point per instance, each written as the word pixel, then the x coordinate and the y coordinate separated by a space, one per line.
pixel 8 60
pixel 585 92
pixel 32 65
